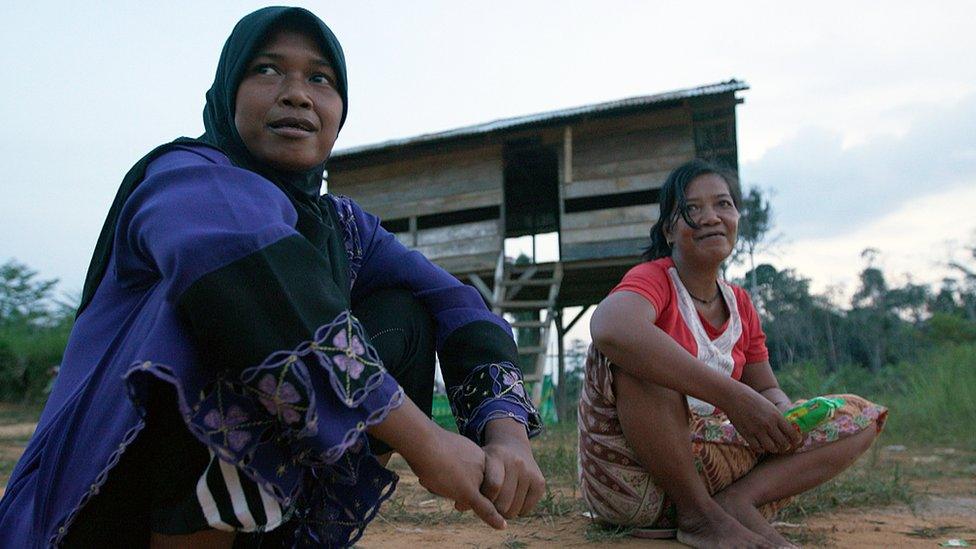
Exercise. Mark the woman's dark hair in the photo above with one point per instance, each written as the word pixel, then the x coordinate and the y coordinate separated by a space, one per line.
pixel 673 202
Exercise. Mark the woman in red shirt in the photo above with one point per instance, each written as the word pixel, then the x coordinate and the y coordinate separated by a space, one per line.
pixel 681 417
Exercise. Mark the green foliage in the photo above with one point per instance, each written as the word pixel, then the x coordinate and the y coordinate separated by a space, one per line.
pixel 937 403
pixel 930 400
pixel 884 325
pixel 809 379
pixel 28 357
pixel 866 485
pixel 606 534
pixel 558 504
pixel 950 328
pixel 34 329
pixel 555 452
pixel 575 369
pixel 23 298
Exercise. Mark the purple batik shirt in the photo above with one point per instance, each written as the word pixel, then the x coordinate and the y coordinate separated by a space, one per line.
pixel 193 213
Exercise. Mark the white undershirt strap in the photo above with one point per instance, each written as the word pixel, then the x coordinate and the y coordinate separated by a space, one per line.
pixel 717 353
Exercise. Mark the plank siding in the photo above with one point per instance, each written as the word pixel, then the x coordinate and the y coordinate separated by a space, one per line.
pixel 454 245
pixel 396 210
pixel 455 248
pixel 593 187
pixel 656 163
pixel 599 234
pixel 451 233
pixel 628 247
pixel 644 214
pixel 626 161
pixel 630 145
pixel 468 263
pixel 428 185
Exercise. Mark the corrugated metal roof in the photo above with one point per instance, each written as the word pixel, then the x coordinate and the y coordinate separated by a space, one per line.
pixel 547 117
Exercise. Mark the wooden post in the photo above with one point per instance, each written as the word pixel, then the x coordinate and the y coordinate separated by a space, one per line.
pixel 413 229
pixel 560 367
pixel 567 155
pixel 567 179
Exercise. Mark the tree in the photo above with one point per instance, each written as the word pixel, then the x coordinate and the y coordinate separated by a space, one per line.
pixel 945 301
pixel 968 286
pixel 25 299
pixel 784 301
pixel 755 222
pixel 574 374
pixel 910 301
pixel 869 310
pixel 34 328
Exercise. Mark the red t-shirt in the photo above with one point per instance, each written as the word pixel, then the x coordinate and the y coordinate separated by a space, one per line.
pixel 650 280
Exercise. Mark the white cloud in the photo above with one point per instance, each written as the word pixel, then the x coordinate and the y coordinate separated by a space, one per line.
pixel 915 240
pixel 823 189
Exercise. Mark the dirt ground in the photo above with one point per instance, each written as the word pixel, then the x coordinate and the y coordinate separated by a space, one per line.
pixel 943 507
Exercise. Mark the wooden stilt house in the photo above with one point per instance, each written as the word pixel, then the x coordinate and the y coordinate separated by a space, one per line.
pixel 588 177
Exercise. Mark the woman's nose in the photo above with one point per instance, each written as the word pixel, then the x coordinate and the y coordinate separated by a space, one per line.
pixel 295 94
pixel 709 216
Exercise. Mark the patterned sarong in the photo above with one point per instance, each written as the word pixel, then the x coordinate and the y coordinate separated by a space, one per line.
pixel 618 490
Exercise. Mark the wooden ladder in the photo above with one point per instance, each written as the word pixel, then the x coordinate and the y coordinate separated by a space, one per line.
pixel 510 280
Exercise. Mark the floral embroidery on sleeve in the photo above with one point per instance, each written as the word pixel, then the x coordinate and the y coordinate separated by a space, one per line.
pixel 350 235
pixel 492 391
pixel 277 424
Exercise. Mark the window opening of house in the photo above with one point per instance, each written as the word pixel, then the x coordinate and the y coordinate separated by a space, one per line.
pixel 531 201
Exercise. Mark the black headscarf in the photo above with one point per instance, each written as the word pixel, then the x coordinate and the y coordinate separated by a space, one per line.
pixel 218 116
pixel 302 188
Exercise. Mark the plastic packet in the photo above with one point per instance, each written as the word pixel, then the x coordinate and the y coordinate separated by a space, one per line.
pixel 813 413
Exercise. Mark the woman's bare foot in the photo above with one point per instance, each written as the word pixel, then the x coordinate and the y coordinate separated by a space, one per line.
pixel 750 517
pixel 716 528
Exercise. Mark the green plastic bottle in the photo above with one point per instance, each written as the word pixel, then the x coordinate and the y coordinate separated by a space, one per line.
pixel 812 413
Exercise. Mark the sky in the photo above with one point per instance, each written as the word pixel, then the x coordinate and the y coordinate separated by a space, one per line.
pixel 860 122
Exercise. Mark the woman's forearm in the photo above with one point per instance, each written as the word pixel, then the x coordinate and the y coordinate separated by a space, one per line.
pixel 777 397
pixel 760 376
pixel 406 429
pixel 659 359
pixel 623 330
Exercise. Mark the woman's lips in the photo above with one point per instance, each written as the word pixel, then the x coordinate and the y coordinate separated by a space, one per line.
pixel 711 235
pixel 293 127
pixel 290 132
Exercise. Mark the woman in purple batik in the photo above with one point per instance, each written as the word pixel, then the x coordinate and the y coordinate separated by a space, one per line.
pixel 246 349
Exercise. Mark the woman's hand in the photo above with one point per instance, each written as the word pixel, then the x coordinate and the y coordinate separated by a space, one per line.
pixel 513 481
pixel 447 464
pixel 760 422
pixel 454 467
pixel 783 405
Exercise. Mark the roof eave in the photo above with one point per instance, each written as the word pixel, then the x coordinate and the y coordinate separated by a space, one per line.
pixel 550 118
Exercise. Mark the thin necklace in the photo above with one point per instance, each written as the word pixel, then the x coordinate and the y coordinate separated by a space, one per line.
pixel 709 301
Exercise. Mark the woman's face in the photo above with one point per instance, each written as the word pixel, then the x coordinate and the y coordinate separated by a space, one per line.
pixel 287 107
pixel 711 207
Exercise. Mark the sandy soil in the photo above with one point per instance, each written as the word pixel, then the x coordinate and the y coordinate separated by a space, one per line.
pixel 945 509
pixel 935 520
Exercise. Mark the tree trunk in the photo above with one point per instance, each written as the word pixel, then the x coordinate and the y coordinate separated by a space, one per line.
pixel 752 272
pixel 831 348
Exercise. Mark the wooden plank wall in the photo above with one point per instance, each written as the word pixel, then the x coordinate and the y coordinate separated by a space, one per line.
pixel 435 184
pixel 625 155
